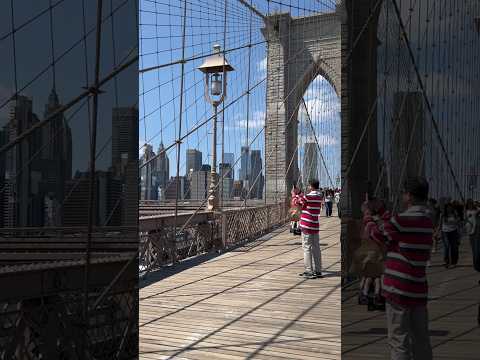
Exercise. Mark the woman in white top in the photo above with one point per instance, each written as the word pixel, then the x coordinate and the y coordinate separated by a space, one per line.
pixel 328 203
pixel 450 236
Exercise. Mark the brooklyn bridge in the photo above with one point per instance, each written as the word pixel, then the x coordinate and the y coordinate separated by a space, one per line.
pixel 191 253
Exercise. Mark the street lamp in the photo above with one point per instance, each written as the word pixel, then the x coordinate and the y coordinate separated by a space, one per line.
pixel 215 69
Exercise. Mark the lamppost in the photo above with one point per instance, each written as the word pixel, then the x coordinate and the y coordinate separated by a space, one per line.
pixel 215 68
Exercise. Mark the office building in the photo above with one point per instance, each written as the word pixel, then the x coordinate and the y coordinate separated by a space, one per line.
pixel 148 190
pixel 256 181
pixel 161 171
pixel 199 184
pixel 194 160
pixel 124 137
pixel 226 174
pixel 171 188
pixel 245 163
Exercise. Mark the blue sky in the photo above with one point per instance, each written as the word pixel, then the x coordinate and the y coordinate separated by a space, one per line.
pixel 159 105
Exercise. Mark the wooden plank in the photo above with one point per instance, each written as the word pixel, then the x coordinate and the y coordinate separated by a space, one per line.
pixel 248 303
pixel 454 297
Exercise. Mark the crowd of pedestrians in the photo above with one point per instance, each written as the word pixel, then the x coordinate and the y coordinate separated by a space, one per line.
pixel 403 244
pixel 395 253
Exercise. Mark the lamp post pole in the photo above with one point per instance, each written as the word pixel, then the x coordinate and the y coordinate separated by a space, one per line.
pixel 215 69
pixel 212 198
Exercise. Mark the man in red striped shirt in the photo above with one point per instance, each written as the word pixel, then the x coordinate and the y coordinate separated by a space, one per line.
pixel 311 204
pixel 408 237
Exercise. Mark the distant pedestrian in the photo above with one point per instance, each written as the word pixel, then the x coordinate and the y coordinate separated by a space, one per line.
pixel 450 235
pixel 309 223
pixel 337 201
pixel 328 203
pixel 408 237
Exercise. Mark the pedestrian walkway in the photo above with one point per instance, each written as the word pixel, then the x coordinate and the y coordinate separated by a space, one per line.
pixel 248 303
pixel 454 332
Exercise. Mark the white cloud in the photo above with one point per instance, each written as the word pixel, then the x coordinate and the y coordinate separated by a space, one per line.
pixel 262 66
pixel 320 109
pixel 256 121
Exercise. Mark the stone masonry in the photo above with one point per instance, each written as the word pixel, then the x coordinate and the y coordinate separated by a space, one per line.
pixel 298 49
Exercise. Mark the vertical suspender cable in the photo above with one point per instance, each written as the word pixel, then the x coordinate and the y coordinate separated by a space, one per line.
pixel 93 147
pixel 180 116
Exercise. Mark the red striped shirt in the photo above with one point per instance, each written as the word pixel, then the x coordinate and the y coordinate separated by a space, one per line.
pixel 311 204
pixel 408 237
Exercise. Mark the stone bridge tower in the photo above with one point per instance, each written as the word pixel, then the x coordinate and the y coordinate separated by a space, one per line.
pixel 299 49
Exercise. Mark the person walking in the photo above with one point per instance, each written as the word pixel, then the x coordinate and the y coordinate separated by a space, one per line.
pixel 450 236
pixel 471 213
pixel 310 226
pixel 337 201
pixel 328 203
pixel 408 238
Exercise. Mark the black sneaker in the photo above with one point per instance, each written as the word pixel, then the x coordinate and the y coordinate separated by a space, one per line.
pixel 305 273
pixel 316 276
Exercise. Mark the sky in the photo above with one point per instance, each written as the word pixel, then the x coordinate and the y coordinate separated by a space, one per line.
pixel 159 102
pixel 31 63
pixel 445 49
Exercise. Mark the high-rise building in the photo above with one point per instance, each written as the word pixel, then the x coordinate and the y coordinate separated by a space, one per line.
pixel 194 160
pixel 238 190
pixel 171 188
pixel 256 181
pixel 229 158
pixel 55 163
pixel 130 195
pixel 124 137
pixel 226 173
pixel 199 184
pixel 310 162
pixel 148 191
pixel 22 179
pixel 107 191
pixel 125 162
pixel 161 172
pixel 409 112
pixel 2 178
pixel 245 163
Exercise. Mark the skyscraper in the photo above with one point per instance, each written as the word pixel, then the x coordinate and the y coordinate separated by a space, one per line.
pixel 124 137
pixel 21 179
pixel 125 160
pixel 194 160
pixel 147 186
pixel 229 158
pixel 245 163
pixel 55 163
pixel 199 184
pixel 256 180
pixel 310 162
pixel 226 173
pixel 161 170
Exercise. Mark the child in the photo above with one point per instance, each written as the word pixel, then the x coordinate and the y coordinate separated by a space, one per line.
pixel 295 212
pixel 371 255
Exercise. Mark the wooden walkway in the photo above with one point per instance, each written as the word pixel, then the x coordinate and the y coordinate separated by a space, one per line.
pixel 248 303
pixel 454 333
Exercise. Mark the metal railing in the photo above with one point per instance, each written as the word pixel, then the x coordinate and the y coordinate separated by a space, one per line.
pixel 161 244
